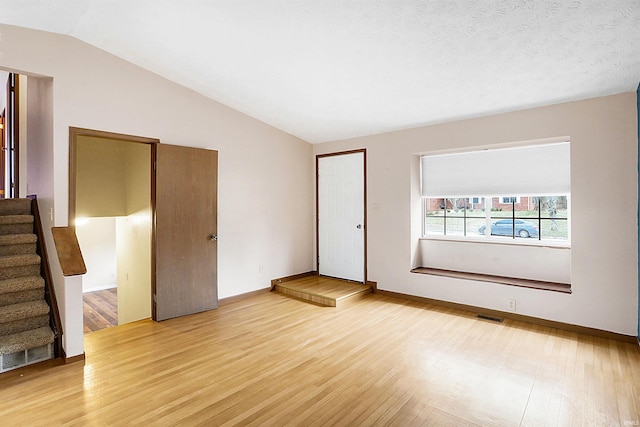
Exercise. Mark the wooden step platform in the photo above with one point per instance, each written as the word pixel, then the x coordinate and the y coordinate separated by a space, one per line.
pixel 325 291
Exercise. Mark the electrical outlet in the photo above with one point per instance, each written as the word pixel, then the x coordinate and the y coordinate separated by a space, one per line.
pixel 511 305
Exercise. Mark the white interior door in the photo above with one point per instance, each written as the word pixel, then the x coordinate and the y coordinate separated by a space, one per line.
pixel 341 227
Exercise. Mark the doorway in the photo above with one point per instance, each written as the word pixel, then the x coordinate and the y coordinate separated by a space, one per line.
pixel 341 215
pixel 173 221
pixel 110 205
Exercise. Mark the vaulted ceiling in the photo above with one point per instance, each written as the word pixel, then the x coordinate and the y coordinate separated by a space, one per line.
pixel 332 69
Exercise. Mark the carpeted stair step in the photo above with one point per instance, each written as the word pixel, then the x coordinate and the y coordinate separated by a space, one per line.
pixel 23 317
pixel 21 311
pixel 16 224
pixel 21 289
pixel 22 325
pixel 26 340
pixel 15 207
pixel 19 266
pixel 17 244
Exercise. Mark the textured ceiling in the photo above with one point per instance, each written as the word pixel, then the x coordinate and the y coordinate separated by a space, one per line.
pixel 334 69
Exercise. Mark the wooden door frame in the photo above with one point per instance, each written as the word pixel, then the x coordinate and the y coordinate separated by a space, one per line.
pixel 74 134
pixel 12 140
pixel 2 154
pixel 364 167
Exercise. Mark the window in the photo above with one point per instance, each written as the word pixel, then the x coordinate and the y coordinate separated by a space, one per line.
pixel 506 193
pixel 525 217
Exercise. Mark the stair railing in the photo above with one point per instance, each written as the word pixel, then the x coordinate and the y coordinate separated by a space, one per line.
pixel 49 291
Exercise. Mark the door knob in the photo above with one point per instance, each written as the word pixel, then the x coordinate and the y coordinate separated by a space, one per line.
pixel 213 238
pixel 359 226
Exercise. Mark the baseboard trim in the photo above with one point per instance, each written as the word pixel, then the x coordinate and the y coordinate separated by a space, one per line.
pixel 72 359
pixel 100 288
pixel 236 298
pixel 374 286
pixel 27 372
pixel 513 316
pixel 274 282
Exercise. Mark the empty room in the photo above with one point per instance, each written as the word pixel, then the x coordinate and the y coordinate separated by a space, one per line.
pixel 320 213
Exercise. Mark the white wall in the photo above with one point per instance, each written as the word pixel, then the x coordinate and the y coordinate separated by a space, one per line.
pixel 545 263
pixel 97 240
pixel 265 194
pixel 39 174
pixel 604 268
pixel 4 76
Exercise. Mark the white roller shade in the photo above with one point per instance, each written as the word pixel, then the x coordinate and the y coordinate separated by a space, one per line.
pixel 530 170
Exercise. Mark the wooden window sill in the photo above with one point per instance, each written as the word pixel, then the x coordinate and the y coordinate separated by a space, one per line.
pixel 511 281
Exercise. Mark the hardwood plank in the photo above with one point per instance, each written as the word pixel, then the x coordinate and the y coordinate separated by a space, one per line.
pixel 324 291
pixel 100 309
pixel 269 359
pixel 581 330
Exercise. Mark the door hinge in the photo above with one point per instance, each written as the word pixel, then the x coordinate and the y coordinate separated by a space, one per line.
pixel 155 299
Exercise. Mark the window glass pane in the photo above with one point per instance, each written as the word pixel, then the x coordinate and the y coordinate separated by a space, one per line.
pixel 554 223
pixel 476 226
pixel 455 226
pixel 553 206
pixel 456 205
pixel 554 229
pixel 434 207
pixel 434 218
pixel 455 208
pixel 475 207
pixel 499 209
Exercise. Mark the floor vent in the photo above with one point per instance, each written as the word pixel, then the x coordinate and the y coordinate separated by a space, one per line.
pixel 491 319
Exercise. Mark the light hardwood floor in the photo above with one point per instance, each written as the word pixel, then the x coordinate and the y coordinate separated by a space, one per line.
pixel 323 290
pixel 273 360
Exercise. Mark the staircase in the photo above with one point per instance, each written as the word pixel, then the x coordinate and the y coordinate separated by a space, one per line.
pixel 27 323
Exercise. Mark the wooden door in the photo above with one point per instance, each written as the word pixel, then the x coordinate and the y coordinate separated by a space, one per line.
pixel 341 216
pixel 185 243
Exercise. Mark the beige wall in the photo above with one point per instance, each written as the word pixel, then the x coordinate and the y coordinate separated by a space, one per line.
pixel 603 259
pixel 265 185
pixel 100 178
pixel 133 235
pixel 133 248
